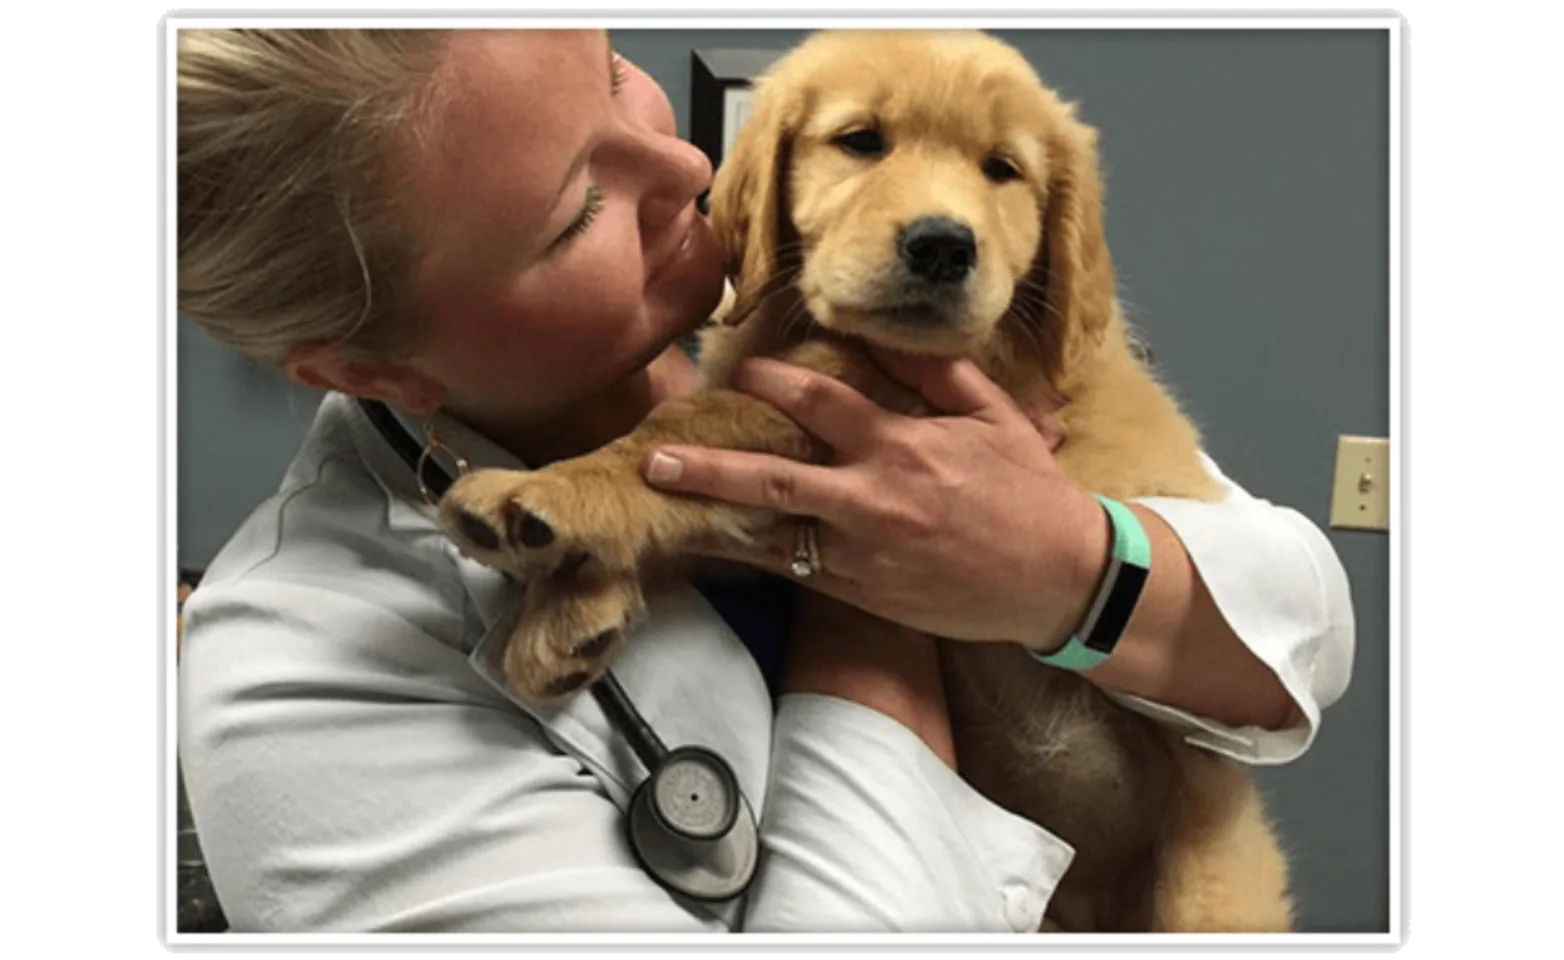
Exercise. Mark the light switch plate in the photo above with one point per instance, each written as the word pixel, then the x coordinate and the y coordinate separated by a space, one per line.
pixel 1361 496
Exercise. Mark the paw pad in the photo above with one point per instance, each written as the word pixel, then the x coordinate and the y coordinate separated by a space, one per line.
pixel 477 531
pixel 595 647
pixel 527 528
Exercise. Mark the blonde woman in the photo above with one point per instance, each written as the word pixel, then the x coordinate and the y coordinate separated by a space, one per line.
pixel 495 232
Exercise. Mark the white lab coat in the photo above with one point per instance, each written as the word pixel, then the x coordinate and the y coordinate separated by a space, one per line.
pixel 352 766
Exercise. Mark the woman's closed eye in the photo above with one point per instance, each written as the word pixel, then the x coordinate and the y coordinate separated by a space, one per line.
pixel 618 75
pixel 618 72
pixel 590 208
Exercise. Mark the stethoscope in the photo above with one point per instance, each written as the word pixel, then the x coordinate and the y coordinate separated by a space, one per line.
pixel 690 825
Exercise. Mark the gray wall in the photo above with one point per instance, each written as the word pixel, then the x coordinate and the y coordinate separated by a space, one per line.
pixel 1248 202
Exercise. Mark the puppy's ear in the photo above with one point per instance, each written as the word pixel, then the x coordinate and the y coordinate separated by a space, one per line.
pixel 1074 265
pixel 749 198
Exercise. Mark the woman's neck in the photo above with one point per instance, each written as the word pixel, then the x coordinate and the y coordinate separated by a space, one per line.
pixel 602 418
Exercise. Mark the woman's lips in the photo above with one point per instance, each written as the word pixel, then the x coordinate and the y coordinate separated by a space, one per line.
pixel 682 234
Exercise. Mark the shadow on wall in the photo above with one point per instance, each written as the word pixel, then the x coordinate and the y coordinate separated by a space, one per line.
pixel 238 425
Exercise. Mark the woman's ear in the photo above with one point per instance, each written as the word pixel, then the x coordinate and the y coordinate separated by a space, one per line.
pixel 327 366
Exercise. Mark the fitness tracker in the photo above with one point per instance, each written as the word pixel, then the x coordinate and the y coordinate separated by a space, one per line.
pixel 1116 597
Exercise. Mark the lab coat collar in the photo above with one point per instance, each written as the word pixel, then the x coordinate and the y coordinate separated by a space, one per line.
pixel 407 509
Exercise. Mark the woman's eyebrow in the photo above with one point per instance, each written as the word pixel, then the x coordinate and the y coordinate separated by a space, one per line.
pixel 570 174
pixel 581 158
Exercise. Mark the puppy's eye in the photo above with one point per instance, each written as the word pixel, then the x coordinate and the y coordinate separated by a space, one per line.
pixel 862 143
pixel 1000 170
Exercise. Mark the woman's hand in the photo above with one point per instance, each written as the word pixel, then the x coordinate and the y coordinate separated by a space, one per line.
pixel 963 525
pixel 960 524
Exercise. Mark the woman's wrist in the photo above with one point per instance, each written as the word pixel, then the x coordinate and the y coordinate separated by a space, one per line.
pixel 1178 649
pixel 1063 605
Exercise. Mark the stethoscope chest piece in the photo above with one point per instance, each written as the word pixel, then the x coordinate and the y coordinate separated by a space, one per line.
pixel 692 828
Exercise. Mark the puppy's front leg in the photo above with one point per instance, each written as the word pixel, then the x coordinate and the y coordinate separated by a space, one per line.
pixel 580 531
pixel 569 625
pixel 597 513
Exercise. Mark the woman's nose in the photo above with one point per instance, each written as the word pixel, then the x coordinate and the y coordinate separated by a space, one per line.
pixel 673 173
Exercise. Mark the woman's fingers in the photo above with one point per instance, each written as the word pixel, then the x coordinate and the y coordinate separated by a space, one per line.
pixel 750 480
pixel 1044 415
pixel 823 405
pixel 959 388
pixel 955 386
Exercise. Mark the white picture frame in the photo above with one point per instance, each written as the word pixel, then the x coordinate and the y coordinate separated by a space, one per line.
pixel 736 103
pixel 721 95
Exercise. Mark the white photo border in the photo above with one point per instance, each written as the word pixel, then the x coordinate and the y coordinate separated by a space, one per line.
pixel 1106 14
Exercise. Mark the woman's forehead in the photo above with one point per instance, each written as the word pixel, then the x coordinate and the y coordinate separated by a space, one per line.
pixel 516 111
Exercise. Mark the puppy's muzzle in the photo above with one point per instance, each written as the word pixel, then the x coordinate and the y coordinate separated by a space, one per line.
pixel 938 250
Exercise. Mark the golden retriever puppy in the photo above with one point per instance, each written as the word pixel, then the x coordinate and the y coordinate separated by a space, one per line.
pixel 926 192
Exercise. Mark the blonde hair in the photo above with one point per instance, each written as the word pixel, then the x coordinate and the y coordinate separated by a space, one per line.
pixel 287 231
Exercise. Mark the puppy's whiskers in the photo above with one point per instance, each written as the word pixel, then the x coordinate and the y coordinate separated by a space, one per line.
pixel 766 300
pixel 796 314
pixel 1027 330
pixel 778 283
pixel 1036 292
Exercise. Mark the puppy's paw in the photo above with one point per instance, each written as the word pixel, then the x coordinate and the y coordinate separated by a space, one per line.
pixel 569 630
pixel 551 521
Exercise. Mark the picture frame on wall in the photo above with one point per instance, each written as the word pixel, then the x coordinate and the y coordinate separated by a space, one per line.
pixel 721 90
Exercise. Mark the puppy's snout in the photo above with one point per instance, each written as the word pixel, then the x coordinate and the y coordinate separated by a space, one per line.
pixel 938 249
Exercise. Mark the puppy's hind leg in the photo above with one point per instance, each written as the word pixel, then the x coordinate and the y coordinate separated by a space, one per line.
pixel 1220 869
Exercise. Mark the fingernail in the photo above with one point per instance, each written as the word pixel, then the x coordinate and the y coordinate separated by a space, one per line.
pixel 664 469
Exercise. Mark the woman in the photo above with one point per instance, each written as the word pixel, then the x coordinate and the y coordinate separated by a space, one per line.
pixel 495 234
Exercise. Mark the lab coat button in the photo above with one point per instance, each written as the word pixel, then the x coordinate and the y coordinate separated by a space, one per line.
pixel 1023 909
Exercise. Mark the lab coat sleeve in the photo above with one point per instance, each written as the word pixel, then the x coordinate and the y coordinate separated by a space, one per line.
pixel 346 772
pixel 867 830
pixel 1281 587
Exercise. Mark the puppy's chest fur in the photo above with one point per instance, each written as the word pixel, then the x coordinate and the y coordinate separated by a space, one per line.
pixel 1041 742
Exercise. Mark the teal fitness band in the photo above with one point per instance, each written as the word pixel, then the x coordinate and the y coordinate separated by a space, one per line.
pixel 1116 598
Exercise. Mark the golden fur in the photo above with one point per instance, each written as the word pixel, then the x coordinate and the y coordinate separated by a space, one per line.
pixel 1168 837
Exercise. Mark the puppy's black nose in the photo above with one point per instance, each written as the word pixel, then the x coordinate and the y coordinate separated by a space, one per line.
pixel 938 250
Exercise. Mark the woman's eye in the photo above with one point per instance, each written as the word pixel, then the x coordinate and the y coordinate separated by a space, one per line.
pixel 589 211
pixel 620 73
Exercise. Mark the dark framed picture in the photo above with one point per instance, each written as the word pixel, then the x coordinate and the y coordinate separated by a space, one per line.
pixel 720 90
